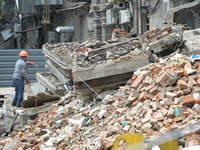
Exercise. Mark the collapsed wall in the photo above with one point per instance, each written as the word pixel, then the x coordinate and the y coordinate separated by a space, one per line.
pixel 105 65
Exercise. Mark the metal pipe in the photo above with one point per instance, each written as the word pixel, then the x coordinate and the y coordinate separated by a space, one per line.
pixel 65 29
pixel 20 18
pixel 141 17
pixel 137 17
pixel 34 32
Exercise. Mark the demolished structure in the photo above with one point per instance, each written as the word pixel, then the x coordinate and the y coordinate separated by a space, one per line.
pixel 159 98
pixel 103 66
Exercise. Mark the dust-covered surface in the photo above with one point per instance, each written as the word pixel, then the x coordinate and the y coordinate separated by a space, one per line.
pixel 192 39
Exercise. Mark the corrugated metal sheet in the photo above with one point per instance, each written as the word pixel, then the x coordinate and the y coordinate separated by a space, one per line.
pixel 27 6
pixel 8 58
pixel 51 2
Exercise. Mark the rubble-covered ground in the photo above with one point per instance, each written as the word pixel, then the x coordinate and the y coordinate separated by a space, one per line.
pixel 159 98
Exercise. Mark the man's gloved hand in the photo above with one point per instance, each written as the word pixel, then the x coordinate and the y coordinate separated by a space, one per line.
pixel 31 63
pixel 27 81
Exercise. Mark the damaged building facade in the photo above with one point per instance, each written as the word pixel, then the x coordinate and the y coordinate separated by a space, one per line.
pixel 68 21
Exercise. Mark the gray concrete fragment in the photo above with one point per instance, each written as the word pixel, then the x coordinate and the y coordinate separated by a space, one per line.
pixel 23 119
pixel 8 123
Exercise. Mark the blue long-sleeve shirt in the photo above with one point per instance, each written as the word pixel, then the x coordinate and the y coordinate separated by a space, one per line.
pixel 20 70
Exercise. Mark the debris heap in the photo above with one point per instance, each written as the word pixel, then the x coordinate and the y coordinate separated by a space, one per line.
pixel 158 99
pixel 91 61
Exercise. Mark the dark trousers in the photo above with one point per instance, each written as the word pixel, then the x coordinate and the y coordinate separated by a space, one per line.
pixel 19 90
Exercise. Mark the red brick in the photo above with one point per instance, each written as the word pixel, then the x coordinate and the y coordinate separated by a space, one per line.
pixel 153 91
pixel 162 78
pixel 120 110
pixel 95 120
pixel 168 28
pixel 189 99
pixel 137 82
pixel 104 134
pixel 196 88
pixel 134 77
pixel 191 82
pixel 105 115
pixel 151 36
pixel 182 84
pixel 76 129
pixel 99 128
pixel 148 87
pixel 142 96
pixel 171 71
pixel 147 33
pixel 198 100
pixel 198 81
pixel 185 78
pixel 196 65
pixel 15 148
pixel 180 93
pixel 153 31
pixel 132 99
pixel 186 114
pixel 156 98
pixel 180 72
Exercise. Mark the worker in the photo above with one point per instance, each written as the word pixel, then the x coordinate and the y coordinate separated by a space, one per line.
pixel 19 76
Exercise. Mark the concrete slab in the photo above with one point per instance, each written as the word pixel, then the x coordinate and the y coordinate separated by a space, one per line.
pixel 51 83
pixel 116 67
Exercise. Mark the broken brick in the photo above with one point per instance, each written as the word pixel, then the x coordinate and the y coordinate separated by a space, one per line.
pixel 137 82
pixel 189 99
pixel 142 96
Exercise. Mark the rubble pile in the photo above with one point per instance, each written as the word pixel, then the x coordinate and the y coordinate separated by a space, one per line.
pixel 158 99
pixel 92 61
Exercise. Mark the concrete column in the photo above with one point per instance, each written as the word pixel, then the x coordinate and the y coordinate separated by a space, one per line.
pixel 97 29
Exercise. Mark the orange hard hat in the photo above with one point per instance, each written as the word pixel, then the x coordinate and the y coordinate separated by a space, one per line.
pixel 23 53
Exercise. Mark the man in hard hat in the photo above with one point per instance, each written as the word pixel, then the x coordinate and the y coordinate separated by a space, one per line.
pixel 19 76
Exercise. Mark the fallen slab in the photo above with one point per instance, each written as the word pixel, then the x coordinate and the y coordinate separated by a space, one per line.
pixel 111 74
pixel 39 100
pixel 52 84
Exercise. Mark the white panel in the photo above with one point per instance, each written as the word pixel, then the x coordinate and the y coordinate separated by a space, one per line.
pixel 124 16
pixel 111 17
pixel 90 25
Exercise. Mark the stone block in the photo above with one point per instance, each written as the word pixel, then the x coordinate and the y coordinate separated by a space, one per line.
pixel 8 122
